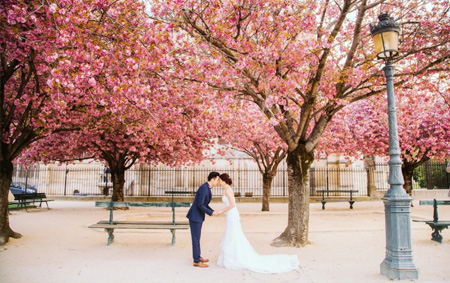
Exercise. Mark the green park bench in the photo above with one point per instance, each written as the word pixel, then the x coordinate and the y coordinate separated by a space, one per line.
pixel 436 225
pixel 326 197
pixel 23 199
pixel 110 225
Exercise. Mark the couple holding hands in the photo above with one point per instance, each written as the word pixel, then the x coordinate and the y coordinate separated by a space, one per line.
pixel 236 252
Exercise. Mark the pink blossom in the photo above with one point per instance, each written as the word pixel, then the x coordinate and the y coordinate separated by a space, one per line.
pixel 52 8
pixel 92 82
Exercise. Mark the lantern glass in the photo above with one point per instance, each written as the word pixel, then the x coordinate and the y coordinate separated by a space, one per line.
pixel 386 44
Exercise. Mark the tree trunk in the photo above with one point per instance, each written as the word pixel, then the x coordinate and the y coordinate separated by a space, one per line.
pixel 267 188
pixel 118 179
pixel 407 171
pixel 6 171
pixel 299 162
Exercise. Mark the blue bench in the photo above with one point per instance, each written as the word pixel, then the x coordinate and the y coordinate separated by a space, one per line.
pixel 110 225
pixel 436 225
pixel 23 199
pixel 334 198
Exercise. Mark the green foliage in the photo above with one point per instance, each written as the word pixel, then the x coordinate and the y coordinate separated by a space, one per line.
pixel 435 171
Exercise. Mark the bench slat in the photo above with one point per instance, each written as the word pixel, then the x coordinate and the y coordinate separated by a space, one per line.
pixel 30 196
pixel 438 223
pixel 144 222
pixel 138 226
pixel 337 191
pixel 332 200
pixel 140 204
pixel 431 202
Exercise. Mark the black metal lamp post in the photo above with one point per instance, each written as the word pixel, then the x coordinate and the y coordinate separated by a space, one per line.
pixel 398 263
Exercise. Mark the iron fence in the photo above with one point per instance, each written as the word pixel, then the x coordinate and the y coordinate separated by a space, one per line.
pixel 338 179
pixel 431 175
pixel 155 181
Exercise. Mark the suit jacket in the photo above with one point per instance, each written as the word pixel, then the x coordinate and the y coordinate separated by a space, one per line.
pixel 200 206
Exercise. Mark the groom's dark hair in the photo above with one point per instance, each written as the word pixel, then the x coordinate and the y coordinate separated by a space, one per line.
pixel 213 175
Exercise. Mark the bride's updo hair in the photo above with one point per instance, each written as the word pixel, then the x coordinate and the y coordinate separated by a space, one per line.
pixel 226 178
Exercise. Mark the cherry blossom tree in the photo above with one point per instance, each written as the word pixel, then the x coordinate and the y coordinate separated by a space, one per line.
pixel 28 43
pixel 134 110
pixel 260 142
pixel 424 130
pixel 129 136
pixel 301 62
pixel 86 66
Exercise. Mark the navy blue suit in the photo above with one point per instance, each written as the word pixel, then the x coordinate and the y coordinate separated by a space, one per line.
pixel 196 215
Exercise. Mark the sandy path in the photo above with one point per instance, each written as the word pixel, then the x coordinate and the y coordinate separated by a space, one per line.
pixel 346 246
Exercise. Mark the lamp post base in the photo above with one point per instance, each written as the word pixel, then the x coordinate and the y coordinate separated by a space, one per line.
pixel 398 263
pixel 399 274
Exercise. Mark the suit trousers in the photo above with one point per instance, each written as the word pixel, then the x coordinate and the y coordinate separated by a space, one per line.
pixel 196 233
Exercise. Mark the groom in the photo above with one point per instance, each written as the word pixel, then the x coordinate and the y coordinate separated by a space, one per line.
pixel 196 215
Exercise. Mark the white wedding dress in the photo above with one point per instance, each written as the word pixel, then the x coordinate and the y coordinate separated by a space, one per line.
pixel 237 253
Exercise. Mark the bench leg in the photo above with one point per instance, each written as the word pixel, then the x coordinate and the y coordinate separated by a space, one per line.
pixel 24 205
pixel 323 204
pixel 436 235
pixel 110 235
pixel 173 236
pixel 351 202
pixel 46 203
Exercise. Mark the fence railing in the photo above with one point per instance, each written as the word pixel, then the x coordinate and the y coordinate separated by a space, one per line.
pixel 431 175
pixel 155 181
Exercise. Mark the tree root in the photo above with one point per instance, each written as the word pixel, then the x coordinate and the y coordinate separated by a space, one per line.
pixel 3 240
pixel 15 235
pixel 9 234
pixel 284 241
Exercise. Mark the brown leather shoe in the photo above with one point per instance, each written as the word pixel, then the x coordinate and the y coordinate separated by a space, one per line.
pixel 200 264
pixel 204 259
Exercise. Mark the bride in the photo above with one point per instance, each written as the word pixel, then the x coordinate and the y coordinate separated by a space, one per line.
pixel 235 250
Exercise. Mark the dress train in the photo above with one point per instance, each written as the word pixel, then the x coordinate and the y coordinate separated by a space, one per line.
pixel 236 252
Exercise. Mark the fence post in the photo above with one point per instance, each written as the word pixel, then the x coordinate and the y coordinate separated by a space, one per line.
pixel 193 180
pixel 447 163
pixel 65 181
pixel 448 181
pixel 312 181
pixel 370 168
pixel 148 188
pixel 429 175
pixel 284 171
pixel 26 180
